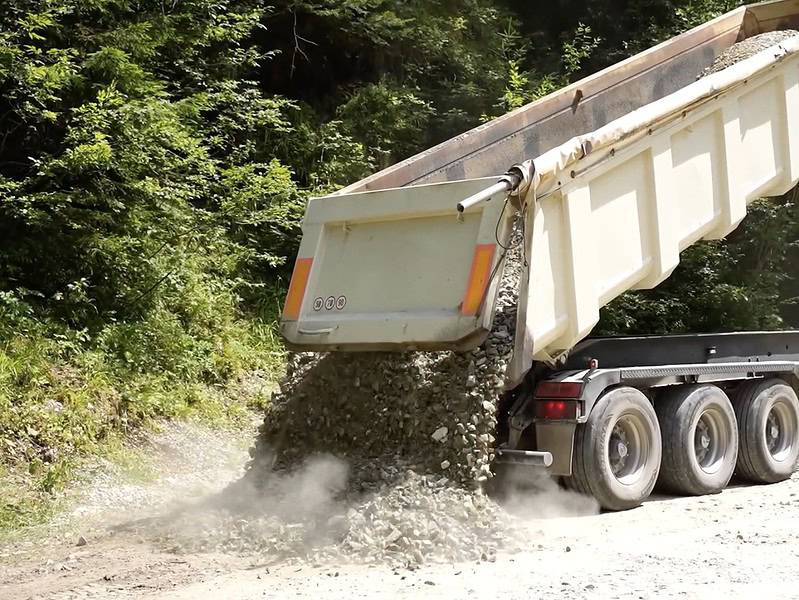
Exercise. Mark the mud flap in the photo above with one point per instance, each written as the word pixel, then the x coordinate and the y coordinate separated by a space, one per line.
pixel 557 439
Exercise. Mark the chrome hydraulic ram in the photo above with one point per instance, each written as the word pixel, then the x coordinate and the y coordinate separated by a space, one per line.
pixel 508 183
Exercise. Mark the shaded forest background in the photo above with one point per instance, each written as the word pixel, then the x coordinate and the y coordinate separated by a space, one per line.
pixel 155 158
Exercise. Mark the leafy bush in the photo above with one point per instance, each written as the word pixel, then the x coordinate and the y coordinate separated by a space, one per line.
pixel 737 284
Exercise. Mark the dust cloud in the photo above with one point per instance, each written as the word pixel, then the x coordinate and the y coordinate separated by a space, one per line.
pixel 381 510
pixel 530 495
pixel 326 511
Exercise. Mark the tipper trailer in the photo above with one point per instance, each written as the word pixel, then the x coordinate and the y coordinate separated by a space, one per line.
pixel 612 177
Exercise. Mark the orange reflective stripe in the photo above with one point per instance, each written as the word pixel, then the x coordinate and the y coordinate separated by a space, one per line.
pixel 478 278
pixel 299 280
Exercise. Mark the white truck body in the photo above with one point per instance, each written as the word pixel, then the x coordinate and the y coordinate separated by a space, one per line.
pixel 621 172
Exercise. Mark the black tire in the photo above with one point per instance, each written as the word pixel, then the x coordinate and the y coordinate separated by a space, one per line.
pixel 763 456
pixel 616 483
pixel 700 439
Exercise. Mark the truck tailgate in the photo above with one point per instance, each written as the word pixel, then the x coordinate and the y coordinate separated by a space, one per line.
pixel 396 269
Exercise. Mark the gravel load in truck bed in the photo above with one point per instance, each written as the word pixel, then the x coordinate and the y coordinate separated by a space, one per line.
pixel 747 48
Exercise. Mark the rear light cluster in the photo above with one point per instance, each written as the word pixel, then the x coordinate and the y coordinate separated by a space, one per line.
pixel 558 401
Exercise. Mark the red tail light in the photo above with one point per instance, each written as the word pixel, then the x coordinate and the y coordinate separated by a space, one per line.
pixel 556 410
pixel 558 401
pixel 557 389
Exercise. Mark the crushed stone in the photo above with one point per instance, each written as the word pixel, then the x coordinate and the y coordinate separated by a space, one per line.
pixel 417 433
pixel 746 49
pixel 434 410
pixel 309 516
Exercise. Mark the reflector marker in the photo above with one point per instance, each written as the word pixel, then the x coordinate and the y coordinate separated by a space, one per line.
pixel 559 389
pixel 299 281
pixel 478 279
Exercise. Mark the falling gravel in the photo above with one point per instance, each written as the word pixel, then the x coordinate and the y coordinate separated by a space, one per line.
pixel 435 411
pixel 416 433
pixel 370 457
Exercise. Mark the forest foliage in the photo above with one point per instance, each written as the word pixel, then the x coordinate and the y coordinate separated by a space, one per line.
pixel 156 156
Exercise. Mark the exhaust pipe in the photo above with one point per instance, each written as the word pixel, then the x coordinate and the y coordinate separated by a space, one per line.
pixel 524 457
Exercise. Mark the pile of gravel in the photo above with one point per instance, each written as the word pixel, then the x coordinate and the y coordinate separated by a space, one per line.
pixel 415 519
pixel 416 431
pixel 423 518
pixel 746 49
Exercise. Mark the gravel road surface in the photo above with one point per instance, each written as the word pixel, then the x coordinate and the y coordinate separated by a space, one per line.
pixel 743 543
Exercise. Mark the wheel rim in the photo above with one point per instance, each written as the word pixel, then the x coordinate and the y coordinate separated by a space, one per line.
pixel 711 439
pixel 780 430
pixel 629 447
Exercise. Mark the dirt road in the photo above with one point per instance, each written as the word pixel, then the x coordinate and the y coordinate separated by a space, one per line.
pixel 743 543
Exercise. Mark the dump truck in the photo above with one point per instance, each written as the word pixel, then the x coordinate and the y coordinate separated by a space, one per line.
pixel 604 183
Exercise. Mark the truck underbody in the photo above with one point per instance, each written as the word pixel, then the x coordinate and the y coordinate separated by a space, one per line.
pixel 540 420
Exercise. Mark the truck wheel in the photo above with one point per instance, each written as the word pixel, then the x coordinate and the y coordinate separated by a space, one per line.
pixel 700 439
pixel 617 452
pixel 768 422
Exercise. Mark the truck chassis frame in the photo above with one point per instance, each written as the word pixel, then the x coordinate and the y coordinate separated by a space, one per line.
pixel 647 363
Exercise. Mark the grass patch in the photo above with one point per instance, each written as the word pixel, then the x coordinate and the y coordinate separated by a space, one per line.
pixel 59 409
pixel 23 504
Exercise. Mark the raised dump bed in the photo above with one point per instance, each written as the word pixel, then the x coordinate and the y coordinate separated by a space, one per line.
pixel 619 173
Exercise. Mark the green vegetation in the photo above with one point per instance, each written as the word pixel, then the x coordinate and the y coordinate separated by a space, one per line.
pixel 155 158
pixel 747 282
